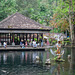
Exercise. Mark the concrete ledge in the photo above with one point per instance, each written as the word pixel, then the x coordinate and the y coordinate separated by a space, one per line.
pixel 22 49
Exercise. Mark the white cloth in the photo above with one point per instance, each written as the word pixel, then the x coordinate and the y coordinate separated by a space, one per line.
pixel 4 43
pixel 34 42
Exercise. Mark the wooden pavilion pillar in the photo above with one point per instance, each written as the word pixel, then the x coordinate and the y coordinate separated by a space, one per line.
pixel 23 36
pixel 30 37
pixel 10 37
pixel 13 40
pixel 26 36
pixel 42 36
pixel 17 38
pixel 13 37
pixel 37 37
pixel 33 36
pixel 5 37
pixel 20 36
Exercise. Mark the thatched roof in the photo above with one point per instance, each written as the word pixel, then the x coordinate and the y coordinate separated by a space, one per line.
pixel 19 21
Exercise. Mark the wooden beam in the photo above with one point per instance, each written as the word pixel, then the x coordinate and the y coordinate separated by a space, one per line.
pixel 22 31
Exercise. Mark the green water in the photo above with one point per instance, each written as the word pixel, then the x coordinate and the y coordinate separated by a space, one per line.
pixel 25 63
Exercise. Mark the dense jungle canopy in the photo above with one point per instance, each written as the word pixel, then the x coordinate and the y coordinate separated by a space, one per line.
pixel 59 14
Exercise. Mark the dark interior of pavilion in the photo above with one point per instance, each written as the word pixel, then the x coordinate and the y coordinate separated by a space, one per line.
pixel 17 37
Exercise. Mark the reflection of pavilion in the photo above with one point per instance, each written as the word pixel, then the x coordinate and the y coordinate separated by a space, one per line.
pixel 20 57
pixel 4 57
pixel 17 27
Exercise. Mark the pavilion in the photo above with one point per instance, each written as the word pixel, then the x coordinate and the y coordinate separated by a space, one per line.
pixel 17 27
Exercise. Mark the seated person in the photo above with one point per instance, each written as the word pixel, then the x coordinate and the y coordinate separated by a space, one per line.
pixel 26 44
pixel 21 44
pixel 34 44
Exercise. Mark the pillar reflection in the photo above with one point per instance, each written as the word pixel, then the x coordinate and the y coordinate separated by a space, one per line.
pixel 26 56
pixel 22 57
pixel 4 57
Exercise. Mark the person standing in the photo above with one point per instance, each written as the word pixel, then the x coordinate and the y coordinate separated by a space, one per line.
pixel 34 44
pixel 58 45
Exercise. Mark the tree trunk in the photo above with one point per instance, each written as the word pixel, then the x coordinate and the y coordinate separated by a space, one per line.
pixel 73 24
pixel 73 35
pixel 72 27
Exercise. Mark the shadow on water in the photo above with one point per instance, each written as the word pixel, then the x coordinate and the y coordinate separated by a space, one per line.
pixel 33 63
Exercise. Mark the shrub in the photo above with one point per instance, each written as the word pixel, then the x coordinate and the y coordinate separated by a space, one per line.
pixel 49 40
pixel 67 42
pixel 54 41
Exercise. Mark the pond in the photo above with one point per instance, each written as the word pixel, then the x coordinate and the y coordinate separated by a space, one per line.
pixel 25 63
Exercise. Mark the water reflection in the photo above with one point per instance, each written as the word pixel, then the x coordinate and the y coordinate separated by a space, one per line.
pixel 4 58
pixel 31 63
pixel 22 57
